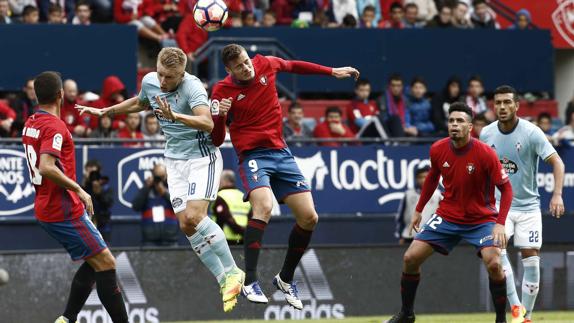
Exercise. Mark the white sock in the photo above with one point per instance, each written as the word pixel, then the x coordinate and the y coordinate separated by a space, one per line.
pixel 510 284
pixel 214 236
pixel 530 283
pixel 207 256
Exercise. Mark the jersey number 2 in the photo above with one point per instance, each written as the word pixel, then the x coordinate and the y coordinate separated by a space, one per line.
pixel 32 158
pixel 434 221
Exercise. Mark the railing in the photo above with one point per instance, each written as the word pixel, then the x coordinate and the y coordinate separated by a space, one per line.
pixel 505 11
pixel 212 52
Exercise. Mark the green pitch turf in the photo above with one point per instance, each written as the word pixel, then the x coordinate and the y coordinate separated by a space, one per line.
pixel 555 317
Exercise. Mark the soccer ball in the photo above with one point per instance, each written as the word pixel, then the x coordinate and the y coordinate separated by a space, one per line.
pixel 210 15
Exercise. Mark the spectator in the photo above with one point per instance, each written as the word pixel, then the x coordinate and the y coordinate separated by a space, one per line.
pixel 113 92
pixel 17 6
pixel 349 21
pixel 7 117
pixel 189 36
pixel 332 127
pixel 442 20
pixel 165 12
pixel 5 13
pixel 544 122
pixel 229 210
pixel 411 15
pixel 24 105
pixel 393 103
pixel 565 136
pixel 56 14
pixel 235 19
pixel 152 131
pixel 478 122
pixel 320 19
pixel 459 18
pixel 408 204
pixel 293 127
pixel 283 10
pixel 30 15
pixel 475 98
pixel 66 10
pixel 269 19
pixel 131 12
pixel 131 130
pixel 396 21
pixel 97 185
pixel 248 19
pixel 426 9
pixel 368 17
pixel 569 111
pixel 69 114
pixel 361 109
pixel 102 11
pixel 419 118
pixel 441 102
pixel 522 21
pixel 104 129
pixel 83 14
pixel 482 17
pixel 342 8
pixel 159 223
pixel 375 6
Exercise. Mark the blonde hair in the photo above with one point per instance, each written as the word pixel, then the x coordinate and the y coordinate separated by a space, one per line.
pixel 172 57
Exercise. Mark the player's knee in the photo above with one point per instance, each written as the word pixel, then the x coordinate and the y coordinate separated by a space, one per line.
pixel 411 261
pixel 263 209
pixel 493 265
pixel 309 221
pixel 106 262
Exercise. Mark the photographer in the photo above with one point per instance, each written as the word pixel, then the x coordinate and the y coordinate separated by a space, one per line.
pixel 159 224
pixel 99 189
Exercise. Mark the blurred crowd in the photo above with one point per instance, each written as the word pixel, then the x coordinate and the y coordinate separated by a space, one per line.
pixel 163 23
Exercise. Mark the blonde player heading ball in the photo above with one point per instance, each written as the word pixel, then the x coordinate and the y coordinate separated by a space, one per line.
pixel 193 163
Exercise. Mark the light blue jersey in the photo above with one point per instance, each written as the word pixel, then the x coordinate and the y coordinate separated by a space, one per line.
pixel 518 151
pixel 182 142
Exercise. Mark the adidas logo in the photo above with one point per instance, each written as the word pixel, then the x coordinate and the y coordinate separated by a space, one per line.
pixel 445 165
pixel 314 292
pixel 133 295
pixel 240 96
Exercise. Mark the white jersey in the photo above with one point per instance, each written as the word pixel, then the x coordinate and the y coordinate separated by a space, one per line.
pixel 519 150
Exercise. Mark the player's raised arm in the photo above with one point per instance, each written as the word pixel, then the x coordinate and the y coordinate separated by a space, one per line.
pixel 201 118
pixel 128 106
pixel 49 170
pixel 302 67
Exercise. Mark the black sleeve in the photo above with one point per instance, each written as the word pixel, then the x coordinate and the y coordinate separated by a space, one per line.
pixel 140 200
pixel 224 216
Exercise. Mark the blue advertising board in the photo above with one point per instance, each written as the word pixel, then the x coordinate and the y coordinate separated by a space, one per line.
pixel 347 180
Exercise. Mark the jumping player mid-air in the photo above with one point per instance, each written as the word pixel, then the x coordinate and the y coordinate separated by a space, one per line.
pixel 193 163
pixel 470 171
pixel 247 101
pixel 519 145
pixel 59 203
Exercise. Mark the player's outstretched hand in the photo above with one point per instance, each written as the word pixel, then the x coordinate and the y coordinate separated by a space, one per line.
pixel 224 106
pixel 165 108
pixel 499 236
pixel 89 110
pixel 87 200
pixel 556 206
pixel 415 222
pixel 344 72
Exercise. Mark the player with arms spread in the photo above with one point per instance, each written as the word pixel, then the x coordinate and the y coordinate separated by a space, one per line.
pixel 470 170
pixel 59 203
pixel 247 100
pixel 193 163
pixel 519 145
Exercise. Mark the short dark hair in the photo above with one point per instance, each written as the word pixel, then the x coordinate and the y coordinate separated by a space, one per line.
pixel 396 5
pixel 395 77
pixel 28 10
pixel 477 2
pixel 83 3
pixel 461 107
pixel 270 12
pixel 294 106
pixel 411 5
pixel 149 116
pixel 231 52
pixel 93 163
pixel 369 8
pixel 544 115
pixel 47 87
pixel 54 7
pixel 333 109
pixel 505 89
pixel 475 78
pixel 422 169
pixel 418 79
pixel 349 21
pixel 362 81
pixel 480 117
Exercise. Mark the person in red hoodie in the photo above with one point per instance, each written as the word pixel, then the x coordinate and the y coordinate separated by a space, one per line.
pixel 132 130
pixel 332 127
pixel 113 92
pixel 7 116
pixel 189 36
pixel 69 114
pixel 361 108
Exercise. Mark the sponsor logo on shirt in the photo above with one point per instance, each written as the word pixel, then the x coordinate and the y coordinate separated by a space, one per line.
pixel 16 189
pixel 214 107
pixel 240 97
pixel 485 239
pixel 509 166
pixel 445 165
pixel 57 142
pixel 470 168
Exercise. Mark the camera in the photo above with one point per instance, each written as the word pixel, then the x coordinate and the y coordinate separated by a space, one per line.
pixel 94 176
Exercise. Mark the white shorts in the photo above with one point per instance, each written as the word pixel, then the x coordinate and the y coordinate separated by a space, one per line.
pixel 526 228
pixel 193 180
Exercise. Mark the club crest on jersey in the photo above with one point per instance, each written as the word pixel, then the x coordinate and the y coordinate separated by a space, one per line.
pixel 518 146
pixel 263 80
pixel 470 168
pixel 255 178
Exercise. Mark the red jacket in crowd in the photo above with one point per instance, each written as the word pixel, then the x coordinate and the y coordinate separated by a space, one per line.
pixel 359 109
pixel 322 130
pixel 111 86
pixel 128 134
pixel 189 36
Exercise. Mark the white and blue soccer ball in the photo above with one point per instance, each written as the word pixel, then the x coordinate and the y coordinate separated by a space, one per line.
pixel 210 15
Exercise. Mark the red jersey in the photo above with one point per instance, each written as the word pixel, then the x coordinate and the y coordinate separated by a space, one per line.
pixel 469 176
pixel 358 109
pixel 45 133
pixel 323 130
pixel 255 116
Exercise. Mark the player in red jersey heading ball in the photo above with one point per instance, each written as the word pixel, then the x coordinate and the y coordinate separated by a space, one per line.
pixel 247 101
pixel 470 170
